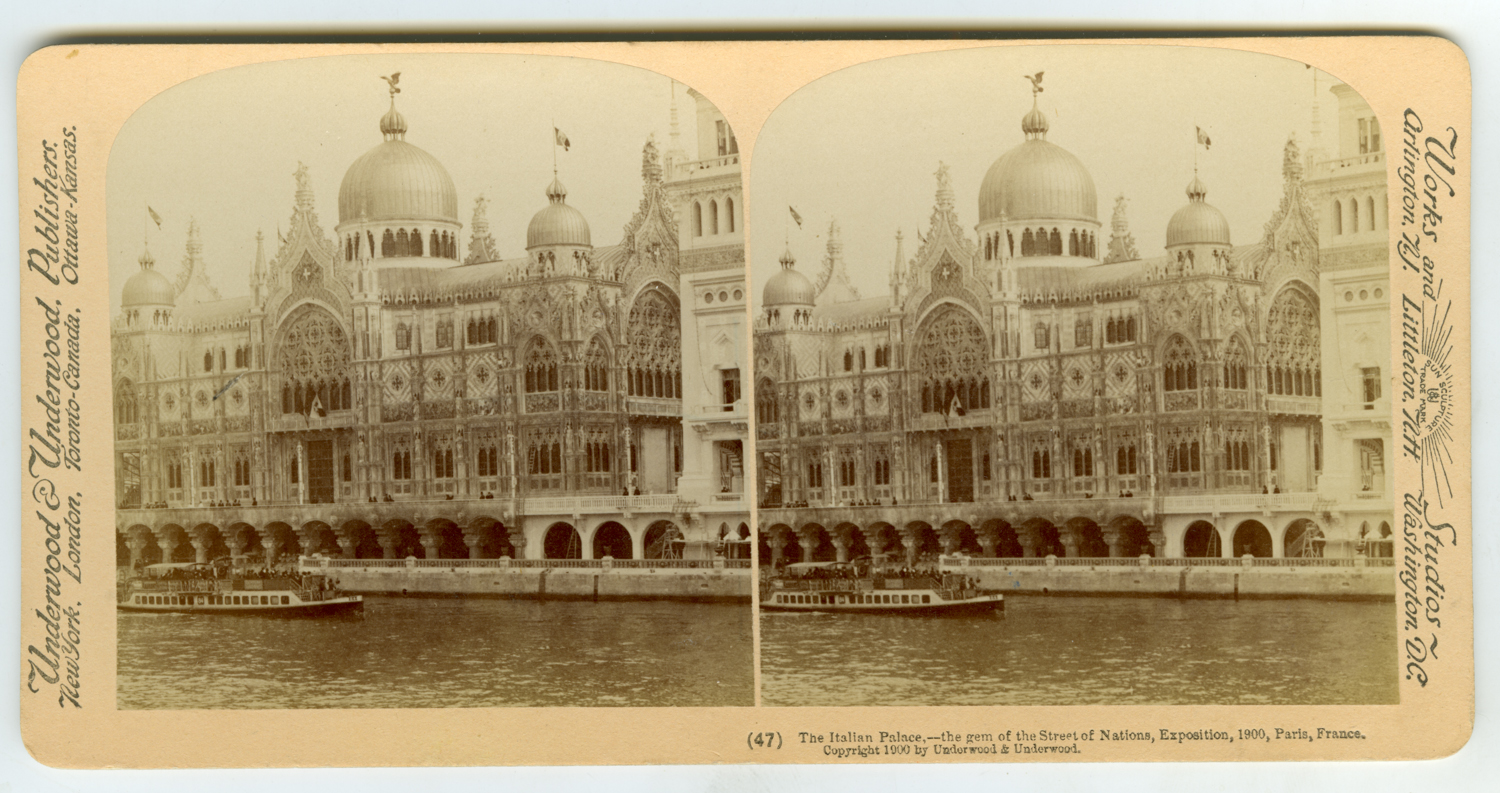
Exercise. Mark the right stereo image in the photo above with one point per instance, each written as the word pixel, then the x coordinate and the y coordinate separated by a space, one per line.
pixel 1072 373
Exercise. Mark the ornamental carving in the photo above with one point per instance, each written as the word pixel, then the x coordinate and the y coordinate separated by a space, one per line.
pixel 654 334
pixel 952 346
pixel 1292 335
pixel 313 347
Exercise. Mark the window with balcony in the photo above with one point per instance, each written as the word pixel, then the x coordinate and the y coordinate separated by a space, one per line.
pixel 731 382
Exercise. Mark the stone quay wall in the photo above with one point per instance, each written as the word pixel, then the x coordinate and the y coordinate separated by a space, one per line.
pixel 1340 579
pixel 543 579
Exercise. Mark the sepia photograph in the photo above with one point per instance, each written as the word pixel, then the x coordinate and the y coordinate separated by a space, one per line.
pixel 1072 383
pixel 426 388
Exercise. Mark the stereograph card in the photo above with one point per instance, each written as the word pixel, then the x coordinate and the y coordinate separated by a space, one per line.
pixel 745 402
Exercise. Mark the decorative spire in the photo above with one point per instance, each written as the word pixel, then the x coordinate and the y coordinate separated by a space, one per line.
pixel 304 197
pixel 650 162
pixel 192 280
pixel 898 268
pixel 393 124
pixel 944 188
pixel 1196 190
pixel 556 193
pixel 834 284
pixel 1291 161
pixel 482 246
pixel 146 260
pixel 260 255
pixel 788 261
pixel 1121 241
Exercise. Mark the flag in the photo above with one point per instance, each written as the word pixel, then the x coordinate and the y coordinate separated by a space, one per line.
pixel 795 216
pixel 562 140
pixel 316 408
pixel 154 216
pixel 956 407
pixel 1203 138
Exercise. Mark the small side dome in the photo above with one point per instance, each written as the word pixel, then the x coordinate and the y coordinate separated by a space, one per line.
pixel 789 287
pixel 557 223
pixel 1198 223
pixel 148 287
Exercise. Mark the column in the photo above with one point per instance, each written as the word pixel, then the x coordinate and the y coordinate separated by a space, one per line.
pixel 167 543
pixel 910 542
pixel 1116 540
pixel 302 472
pixel 637 544
pixel 348 543
pixel 1158 539
pixel 201 545
pixel 524 549
pixel 1069 541
pixel 236 544
pixel 777 541
pixel 949 541
pixel 475 542
pixel 1028 540
pixel 988 540
pixel 268 542
pixel 431 543
pixel 841 545
pixel 389 539
pixel 136 544
pixel 809 543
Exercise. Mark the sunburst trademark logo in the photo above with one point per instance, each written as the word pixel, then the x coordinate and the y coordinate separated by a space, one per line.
pixel 1427 392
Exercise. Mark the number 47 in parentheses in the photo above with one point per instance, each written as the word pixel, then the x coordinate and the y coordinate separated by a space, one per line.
pixel 763 740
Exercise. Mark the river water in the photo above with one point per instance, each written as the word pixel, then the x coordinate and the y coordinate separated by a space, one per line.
pixel 1088 650
pixel 443 652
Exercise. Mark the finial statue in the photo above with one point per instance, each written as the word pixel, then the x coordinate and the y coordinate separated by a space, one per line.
pixel 392 81
pixel 1036 82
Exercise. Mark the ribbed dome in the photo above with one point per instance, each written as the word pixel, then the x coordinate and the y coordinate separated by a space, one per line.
pixel 148 287
pixel 1199 222
pixel 789 287
pixel 397 181
pixel 1038 179
pixel 557 223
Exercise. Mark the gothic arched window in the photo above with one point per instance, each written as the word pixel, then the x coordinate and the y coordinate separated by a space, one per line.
pixel 596 367
pixel 432 244
pixel 1028 244
pixel 1236 368
pixel 766 411
pixel 1073 243
pixel 416 243
pixel 653 346
pixel 403 336
pixel 1370 211
pixel 713 217
pixel 1294 357
pixel 208 361
pixel 1057 245
pixel 1338 217
pixel 951 357
pixel 1041 336
pixel 1180 366
pixel 541 367
pixel 388 245
pixel 697 219
pixel 729 215
pixel 125 404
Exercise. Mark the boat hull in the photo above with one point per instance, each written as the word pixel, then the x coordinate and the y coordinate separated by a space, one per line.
pixel 983 604
pixel 343 605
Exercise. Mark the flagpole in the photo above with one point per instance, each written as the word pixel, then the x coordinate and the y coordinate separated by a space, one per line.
pixel 554 148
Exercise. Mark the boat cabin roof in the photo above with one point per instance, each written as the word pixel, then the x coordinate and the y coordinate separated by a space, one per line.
pixel 166 566
pixel 799 567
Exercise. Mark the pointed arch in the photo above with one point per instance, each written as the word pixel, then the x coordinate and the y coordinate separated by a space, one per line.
pixel 653 344
pixel 540 361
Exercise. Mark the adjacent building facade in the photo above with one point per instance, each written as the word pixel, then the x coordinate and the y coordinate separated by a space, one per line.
pixel 1034 386
pixel 388 391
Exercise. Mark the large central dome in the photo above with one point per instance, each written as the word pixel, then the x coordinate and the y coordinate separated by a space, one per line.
pixel 1038 179
pixel 397 181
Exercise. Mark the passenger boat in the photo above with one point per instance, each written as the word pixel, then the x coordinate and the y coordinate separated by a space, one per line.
pixel 197 588
pixel 865 587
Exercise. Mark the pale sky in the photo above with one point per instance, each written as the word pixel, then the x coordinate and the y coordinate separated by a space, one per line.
pixel 863 145
pixel 223 147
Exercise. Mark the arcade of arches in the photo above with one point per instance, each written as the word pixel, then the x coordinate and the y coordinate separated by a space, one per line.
pixel 396 537
pixel 1119 536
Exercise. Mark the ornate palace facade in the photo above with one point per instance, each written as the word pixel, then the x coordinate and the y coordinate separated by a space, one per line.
pixel 1037 387
pixel 382 393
